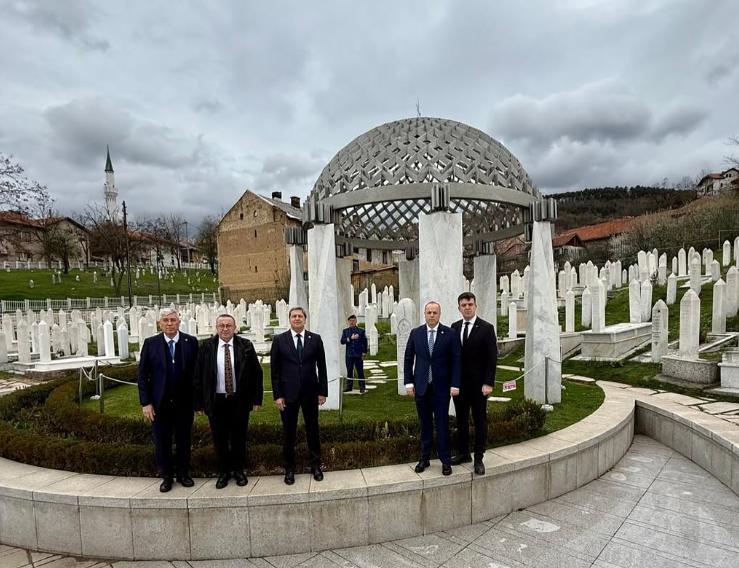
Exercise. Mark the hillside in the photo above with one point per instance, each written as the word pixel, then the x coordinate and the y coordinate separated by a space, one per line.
pixel 596 205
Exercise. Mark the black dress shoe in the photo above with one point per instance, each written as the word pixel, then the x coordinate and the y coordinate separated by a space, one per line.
pixel 185 480
pixel 317 473
pixel 289 477
pixel 347 390
pixel 446 469
pixel 460 459
pixel 222 481
pixel 240 477
pixel 422 465
pixel 479 467
pixel 166 485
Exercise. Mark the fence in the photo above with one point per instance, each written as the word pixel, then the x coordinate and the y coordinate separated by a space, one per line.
pixel 56 264
pixel 92 303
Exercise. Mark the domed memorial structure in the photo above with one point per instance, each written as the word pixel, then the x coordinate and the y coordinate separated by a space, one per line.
pixel 380 182
pixel 427 185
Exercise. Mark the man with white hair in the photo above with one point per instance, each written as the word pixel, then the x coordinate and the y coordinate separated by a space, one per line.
pixel 165 393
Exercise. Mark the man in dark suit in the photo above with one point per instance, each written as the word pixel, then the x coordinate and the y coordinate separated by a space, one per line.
pixel 479 360
pixel 432 374
pixel 228 386
pixel 355 340
pixel 299 381
pixel 165 393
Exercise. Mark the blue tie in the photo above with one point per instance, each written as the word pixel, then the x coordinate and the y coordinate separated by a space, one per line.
pixel 171 348
pixel 431 351
pixel 300 348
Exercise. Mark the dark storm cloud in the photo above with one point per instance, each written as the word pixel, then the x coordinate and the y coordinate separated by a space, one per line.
pixel 71 20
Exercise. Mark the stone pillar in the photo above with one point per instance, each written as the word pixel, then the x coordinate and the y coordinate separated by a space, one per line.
pixel 108 339
pixel 599 306
pixel 440 258
pixel 485 266
pixel 408 277
pixel 297 284
pixel 569 311
pixel 635 310
pixel 407 318
pixel 504 303
pixel 695 277
pixel 343 287
pixel 646 300
pixel 543 367
pixel 726 257
pixel 512 321
pixel 324 303
pixel 690 316
pixel 718 319
pixel 659 331
pixel 586 317
pixel 732 292
pixel 671 289
pixel 44 342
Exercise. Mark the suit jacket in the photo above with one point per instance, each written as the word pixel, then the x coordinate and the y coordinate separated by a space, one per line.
pixel 354 347
pixel 293 377
pixel 479 354
pixel 444 362
pixel 153 368
pixel 248 376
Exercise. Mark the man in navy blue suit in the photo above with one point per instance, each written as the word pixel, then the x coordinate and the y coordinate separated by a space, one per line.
pixel 355 340
pixel 432 368
pixel 165 393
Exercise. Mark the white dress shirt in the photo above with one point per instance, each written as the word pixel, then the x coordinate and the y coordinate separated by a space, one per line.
pixel 429 329
pixel 221 364
pixel 469 327
pixel 295 337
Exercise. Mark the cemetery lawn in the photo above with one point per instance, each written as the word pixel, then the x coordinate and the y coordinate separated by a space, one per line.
pixel 382 402
pixel 14 284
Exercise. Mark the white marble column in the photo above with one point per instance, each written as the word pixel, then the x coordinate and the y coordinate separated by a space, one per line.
pixel 323 304
pixel 440 257
pixel 408 280
pixel 297 284
pixel 543 367
pixel 407 318
pixel 485 289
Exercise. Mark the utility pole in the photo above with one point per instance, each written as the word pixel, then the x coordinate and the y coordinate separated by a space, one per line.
pixel 128 256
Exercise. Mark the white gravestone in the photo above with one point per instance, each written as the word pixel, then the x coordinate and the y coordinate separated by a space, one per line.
pixel 646 301
pixel 44 342
pixel 635 302
pixel 671 289
pixel 695 276
pixel 24 343
pixel 512 321
pixel 123 341
pixel 732 292
pixel 406 314
pixel 718 316
pixel 569 311
pixel 108 340
pixel 587 307
pixel 726 257
pixel 690 315
pixel 659 331
pixel 599 307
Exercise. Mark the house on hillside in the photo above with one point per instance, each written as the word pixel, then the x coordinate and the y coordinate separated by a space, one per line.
pixel 713 185
pixel 24 239
pixel 590 242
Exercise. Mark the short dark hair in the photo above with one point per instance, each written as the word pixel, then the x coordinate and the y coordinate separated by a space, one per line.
pixel 466 296
pixel 351 317
pixel 297 308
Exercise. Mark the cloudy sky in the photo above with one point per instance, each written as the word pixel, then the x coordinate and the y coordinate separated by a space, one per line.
pixel 202 100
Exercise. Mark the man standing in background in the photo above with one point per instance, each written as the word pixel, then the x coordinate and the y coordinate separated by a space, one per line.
pixel 355 340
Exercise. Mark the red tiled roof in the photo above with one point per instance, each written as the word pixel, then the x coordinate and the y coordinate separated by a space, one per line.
pixel 572 239
pixel 600 231
pixel 18 219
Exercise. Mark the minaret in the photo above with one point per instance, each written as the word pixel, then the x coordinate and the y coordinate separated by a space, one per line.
pixel 109 190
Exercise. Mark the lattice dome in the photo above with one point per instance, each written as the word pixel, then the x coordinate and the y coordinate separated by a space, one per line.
pixel 416 153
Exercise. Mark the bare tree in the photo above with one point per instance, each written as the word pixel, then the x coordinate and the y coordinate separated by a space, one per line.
pixel 207 240
pixel 732 160
pixel 173 226
pixel 62 244
pixel 108 239
pixel 16 191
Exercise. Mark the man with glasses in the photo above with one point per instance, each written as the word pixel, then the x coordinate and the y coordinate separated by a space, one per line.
pixel 165 393
pixel 299 382
pixel 228 386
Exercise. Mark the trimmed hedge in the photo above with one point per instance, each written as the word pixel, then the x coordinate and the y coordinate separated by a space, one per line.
pixel 44 426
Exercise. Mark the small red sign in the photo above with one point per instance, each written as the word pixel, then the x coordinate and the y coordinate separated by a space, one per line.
pixel 509 386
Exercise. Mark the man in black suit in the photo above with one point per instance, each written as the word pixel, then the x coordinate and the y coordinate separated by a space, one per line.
pixel 479 360
pixel 228 386
pixel 299 381
pixel 165 393
pixel 432 374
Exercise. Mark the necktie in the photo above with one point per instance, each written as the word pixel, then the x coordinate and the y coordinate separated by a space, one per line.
pixel 466 332
pixel 431 351
pixel 300 347
pixel 228 370
pixel 171 349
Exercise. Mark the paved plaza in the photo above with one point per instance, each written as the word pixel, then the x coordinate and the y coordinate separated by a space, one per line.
pixel 654 509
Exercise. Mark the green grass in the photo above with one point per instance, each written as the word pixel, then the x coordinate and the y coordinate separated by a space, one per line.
pixel 14 284
pixel 578 400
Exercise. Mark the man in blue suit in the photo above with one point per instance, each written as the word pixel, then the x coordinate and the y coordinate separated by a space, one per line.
pixel 355 340
pixel 165 393
pixel 432 370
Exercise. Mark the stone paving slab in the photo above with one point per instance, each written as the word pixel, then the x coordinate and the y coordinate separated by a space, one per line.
pixel 719 407
pixel 654 509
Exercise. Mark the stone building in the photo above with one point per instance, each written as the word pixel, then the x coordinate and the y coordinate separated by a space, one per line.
pixel 716 184
pixel 252 254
